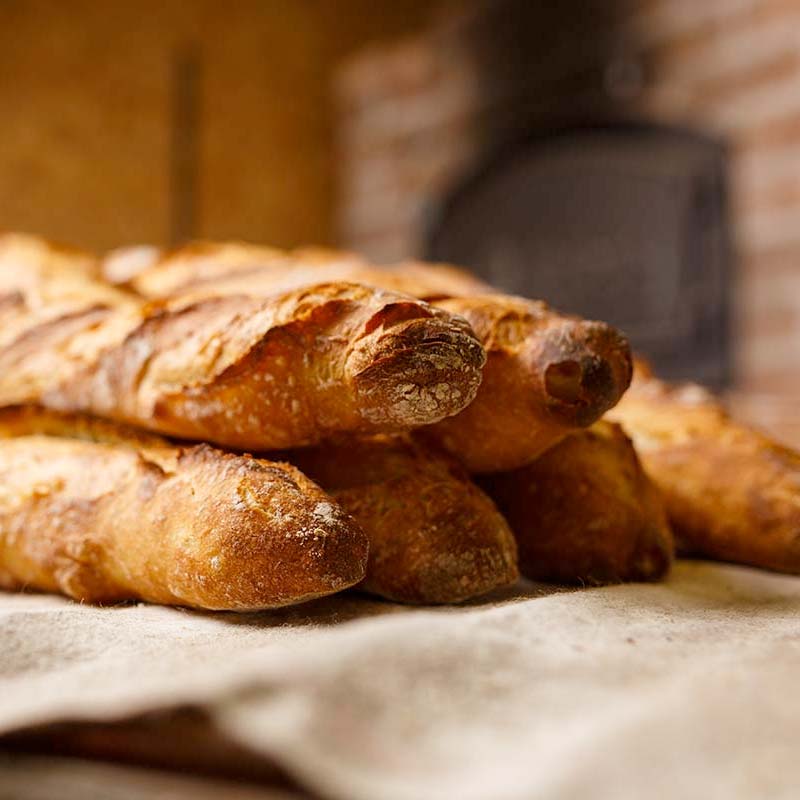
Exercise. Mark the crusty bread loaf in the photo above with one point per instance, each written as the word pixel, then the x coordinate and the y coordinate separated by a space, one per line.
pixel 547 374
pixel 731 493
pixel 121 265
pixel 208 269
pixel 24 253
pixel 585 512
pixel 173 272
pixel 434 536
pixel 104 514
pixel 252 373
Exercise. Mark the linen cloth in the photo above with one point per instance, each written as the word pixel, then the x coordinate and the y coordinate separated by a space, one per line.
pixel 684 689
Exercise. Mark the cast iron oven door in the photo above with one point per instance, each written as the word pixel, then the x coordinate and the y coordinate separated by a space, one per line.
pixel 625 223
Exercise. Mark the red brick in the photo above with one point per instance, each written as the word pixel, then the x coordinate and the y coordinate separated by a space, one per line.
pixel 413 124
pixel 665 21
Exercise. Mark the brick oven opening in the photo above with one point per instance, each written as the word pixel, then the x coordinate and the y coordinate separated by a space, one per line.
pixel 621 222
pixel 635 222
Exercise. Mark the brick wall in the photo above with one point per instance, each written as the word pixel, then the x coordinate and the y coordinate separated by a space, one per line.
pixel 406 129
pixel 414 115
pixel 732 67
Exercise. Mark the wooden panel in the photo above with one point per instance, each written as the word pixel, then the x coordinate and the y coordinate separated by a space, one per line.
pixel 264 141
pixel 83 139
pixel 107 138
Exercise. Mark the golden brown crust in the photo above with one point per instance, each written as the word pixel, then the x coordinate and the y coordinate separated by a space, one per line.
pixel 427 282
pixel 266 373
pixel 20 252
pixel 103 514
pixel 207 269
pixel 547 374
pixel 177 271
pixel 434 536
pixel 586 512
pixel 434 281
pixel 731 493
pixel 121 265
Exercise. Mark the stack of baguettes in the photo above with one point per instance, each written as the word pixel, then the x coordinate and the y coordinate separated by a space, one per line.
pixel 416 433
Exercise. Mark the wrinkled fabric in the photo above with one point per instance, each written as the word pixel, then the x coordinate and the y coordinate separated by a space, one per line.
pixel 682 689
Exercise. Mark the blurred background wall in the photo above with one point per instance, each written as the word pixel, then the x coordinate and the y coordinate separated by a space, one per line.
pixel 160 120
pixel 418 115
pixel 359 123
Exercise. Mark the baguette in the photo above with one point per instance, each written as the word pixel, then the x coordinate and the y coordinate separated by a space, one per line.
pixel 270 373
pixel 175 272
pixel 434 536
pixel 105 514
pixel 586 512
pixel 732 494
pixel 207 269
pixel 24 253
pixel 547 374
pixel 120 266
